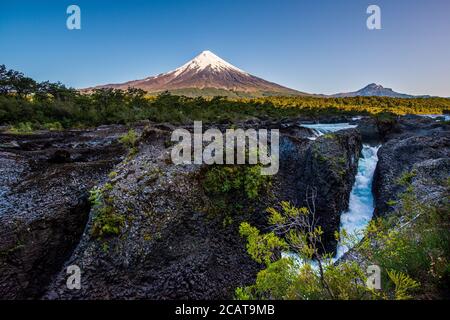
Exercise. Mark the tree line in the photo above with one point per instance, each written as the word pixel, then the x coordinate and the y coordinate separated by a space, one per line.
pixel 37 104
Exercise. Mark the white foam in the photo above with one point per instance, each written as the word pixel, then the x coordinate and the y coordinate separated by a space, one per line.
pixel 434 116
pixel 319 129
pixel 361 204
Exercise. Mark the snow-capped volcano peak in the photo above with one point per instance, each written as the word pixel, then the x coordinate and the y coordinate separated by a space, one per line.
pixel 206 73
pixel 205 60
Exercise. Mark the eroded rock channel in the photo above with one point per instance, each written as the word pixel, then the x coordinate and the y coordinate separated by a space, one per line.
pixel 172 243
pixel 44 207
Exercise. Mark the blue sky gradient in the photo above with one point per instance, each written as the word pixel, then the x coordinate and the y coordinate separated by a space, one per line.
pixel 314 46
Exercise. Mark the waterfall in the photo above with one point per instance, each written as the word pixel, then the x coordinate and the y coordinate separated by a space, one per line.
pixel 361 204
pixel 446 117
pixel 320 129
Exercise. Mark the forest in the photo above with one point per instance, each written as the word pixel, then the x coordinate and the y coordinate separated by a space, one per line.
pixel 28 105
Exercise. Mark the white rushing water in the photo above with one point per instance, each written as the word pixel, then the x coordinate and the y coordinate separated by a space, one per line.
pixel 446 117
pixel 320 129
pixel 361 202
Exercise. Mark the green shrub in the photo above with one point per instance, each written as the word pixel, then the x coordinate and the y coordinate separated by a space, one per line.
pixel 239 178
pixel 274 282
pixel 406 178
pixel 22 128
pixel 411 248
pixel 391 203
pixel 129 139
pixel 108 186
pixel 53 126
pixel 95 197
pixel 112 174
pixel 106 221
pixel 329 136
pixel 261 247
pixel 403 284
pixel 415 241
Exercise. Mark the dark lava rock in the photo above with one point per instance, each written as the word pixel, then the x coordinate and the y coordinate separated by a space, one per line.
pixel 44 206
pixel 169 247
pixel 327 167
pixel 60 156
pixel 422 149
pixel 369 130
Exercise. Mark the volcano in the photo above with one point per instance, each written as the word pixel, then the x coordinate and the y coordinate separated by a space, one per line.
pixel 207 75
pixel 375 90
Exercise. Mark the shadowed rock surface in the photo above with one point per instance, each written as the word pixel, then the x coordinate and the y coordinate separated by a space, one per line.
pixel 327 166
pixel 45 180
pixel 170 246
pixel 420 148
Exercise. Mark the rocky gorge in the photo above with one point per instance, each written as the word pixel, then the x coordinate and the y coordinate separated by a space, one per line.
pixel 174 238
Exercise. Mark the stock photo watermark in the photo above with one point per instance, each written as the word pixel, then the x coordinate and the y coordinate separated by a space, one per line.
pixel 74 280
pixel 73 21
pixel 374 20
pixel 232 147
pixel 373 277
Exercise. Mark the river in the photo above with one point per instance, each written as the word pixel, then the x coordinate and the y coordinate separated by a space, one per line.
pixel 361 203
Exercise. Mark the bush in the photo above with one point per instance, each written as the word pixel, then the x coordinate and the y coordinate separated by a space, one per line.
pixel 22 128
pixel 415 241
pixel 106 221
pixel 411 248
pixel 230 188
pixel 406 178
pixel 261 247
pixel 53 126
pixel 246 179
pixel 129 139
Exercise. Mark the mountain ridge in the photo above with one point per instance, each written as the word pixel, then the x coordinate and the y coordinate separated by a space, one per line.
pixel 376 90
pixel 206 71
pixel 209 75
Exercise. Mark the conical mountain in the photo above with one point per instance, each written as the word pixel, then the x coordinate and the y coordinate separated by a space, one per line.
pixel 207 74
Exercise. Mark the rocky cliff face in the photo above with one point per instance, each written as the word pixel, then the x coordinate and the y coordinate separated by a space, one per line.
pixel 171 247
pixel 45 180
pixel 421 149
pixel 165 241
pixel 327 167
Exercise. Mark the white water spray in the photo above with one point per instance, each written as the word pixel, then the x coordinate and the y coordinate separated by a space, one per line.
pixel 361 205
pixel 319 129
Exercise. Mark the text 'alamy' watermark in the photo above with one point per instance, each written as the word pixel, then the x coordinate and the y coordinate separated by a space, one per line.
pixel 232 147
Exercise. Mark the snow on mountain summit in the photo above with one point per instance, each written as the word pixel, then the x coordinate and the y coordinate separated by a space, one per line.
pixel 204 60
pixel 206 73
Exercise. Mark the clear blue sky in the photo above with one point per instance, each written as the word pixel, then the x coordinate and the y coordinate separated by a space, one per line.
pixel 318 46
